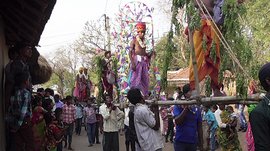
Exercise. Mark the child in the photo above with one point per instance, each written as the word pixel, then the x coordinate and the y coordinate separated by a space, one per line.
pixel 53 134
pixel 58 115
pixel 38 123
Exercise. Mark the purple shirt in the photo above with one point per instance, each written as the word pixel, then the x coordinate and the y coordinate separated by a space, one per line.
pixel 90 115
pixel 59 104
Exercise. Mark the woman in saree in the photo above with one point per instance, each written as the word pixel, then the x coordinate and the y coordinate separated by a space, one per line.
pixel 38 123
pixel 227 136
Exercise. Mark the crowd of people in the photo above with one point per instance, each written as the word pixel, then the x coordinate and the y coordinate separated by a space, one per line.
pixel 48 120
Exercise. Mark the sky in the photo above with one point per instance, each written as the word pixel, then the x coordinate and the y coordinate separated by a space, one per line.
pixel 69 16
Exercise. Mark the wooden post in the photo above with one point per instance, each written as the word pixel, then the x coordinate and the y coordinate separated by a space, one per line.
pixel 194 61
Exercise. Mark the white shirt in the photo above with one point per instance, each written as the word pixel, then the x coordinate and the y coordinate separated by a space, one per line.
pixel 110 120
pixel 144 121
pixel 126 121
pixel 217 116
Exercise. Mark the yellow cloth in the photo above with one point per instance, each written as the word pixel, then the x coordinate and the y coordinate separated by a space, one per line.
pixel 206 65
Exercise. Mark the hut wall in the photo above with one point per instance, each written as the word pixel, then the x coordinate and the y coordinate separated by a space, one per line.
pixel 3 62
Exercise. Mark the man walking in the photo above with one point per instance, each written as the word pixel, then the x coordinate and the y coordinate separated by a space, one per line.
pixel 91 123
pixel 68 119
pixel 111 114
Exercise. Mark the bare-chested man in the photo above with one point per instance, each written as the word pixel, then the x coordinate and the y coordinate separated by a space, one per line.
pixel 139 60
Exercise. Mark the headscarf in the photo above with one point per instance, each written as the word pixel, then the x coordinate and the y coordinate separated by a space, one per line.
pixel 141 26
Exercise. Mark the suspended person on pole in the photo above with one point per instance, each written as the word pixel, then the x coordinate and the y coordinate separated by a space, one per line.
pixel 80 85
pixel 108 77
pixel 88 83
pixel 207 63
pixel 140 60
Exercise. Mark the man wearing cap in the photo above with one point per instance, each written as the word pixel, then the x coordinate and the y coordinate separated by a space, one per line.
pixel 139 60
pixel 260 116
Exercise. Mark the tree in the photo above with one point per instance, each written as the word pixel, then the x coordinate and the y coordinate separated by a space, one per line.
pixel 64 66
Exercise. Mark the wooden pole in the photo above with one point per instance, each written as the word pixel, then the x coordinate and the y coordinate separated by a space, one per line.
pixel 253 99
pixel 194 61
pixel 209 101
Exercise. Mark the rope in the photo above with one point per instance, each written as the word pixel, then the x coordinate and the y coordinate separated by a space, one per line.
pixel 222 39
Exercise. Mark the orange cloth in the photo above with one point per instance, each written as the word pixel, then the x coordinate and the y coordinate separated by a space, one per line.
pixel 206 65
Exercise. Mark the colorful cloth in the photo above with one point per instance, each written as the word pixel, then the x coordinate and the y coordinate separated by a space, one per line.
pixel 164 117
pixel 206 44
pixel 69 113
pixel 140 77
pixel 250 139
pixel 54 135
pixel 38 128
pixel 228 139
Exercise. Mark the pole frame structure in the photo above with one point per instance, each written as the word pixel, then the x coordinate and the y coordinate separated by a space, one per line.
pixel 254 99
pixel 107 28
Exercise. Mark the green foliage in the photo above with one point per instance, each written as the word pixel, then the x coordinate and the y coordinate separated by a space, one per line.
pixel 234 32
pixel 258 21
pixel 237 33
pixel 167 53
pixel 98 71
pixel 115 70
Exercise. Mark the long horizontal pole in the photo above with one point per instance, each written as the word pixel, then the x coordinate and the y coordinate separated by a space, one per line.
pixel 211 100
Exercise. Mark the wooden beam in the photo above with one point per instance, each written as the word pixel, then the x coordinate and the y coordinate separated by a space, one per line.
pixel 211 100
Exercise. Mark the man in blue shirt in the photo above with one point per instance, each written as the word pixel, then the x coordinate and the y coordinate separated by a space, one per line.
pixel 212 126
pixel 188 125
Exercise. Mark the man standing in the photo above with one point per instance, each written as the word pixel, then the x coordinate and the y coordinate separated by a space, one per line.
pixel 20 111
pixel 260 116
pixel 140 61
pixel 69 112
pixel 146 123
pixel 188 125
pixel 110 114
pixel 212 127
pixel 79 118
